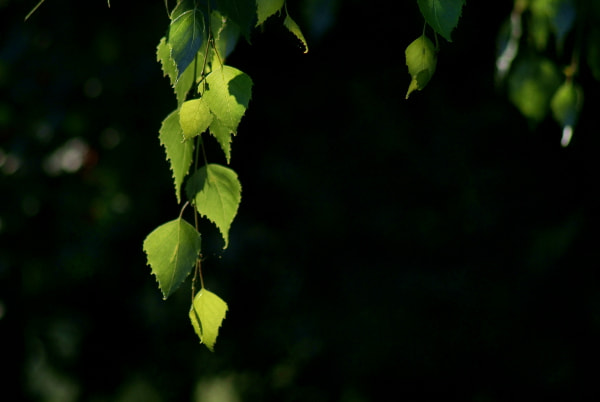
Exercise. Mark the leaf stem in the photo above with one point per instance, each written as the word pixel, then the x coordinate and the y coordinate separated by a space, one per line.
pixel 33 10
pixel 183 208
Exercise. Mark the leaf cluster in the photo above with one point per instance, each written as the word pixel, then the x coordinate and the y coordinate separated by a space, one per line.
pixel 212 98
pixel 421 55
pixel 540 50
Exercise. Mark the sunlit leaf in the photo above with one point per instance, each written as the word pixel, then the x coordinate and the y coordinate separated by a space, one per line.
pixel 179 152
pixel 442 15
pixel 227 95
pixel 172 250
pixel 266 8
pixel 194 117
pixel 421 61
pixel 291 25
pixel 223 136
pixel 216 193
pixel 207 314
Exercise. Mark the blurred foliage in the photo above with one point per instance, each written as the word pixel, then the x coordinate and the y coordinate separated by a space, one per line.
pixel 434 247
pixel 549 41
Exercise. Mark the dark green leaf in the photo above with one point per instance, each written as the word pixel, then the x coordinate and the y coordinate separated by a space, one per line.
pixel 442 15
pixel 186 33
pixel 241 12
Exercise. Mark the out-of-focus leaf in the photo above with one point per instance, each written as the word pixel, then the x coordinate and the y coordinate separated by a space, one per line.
pixel 532 84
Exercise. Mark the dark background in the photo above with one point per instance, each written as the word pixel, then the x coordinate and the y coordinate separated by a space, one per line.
pixel 439 247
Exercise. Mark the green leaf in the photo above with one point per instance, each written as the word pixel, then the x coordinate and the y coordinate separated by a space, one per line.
pixel 223 136
pixel 531 85
pixel 266 8
pixel 186 33
pixel 225 35
pixel 207 313
pixel 566 103
pixel 291 25
pixel 241 12
pixel 227 96
pixel 172 250
pixel 421 60
pixel 216 193
pixel 179 152
pixel 194 117
pixel 442 15
pixel 181 84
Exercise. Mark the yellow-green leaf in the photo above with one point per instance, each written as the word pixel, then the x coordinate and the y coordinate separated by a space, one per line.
pixel 266 8
pixel 421 60
pixel 207 313
pixel 194 117
pixel 291 25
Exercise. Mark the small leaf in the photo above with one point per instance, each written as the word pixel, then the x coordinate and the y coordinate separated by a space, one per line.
pixel 216 192
pixel 266 8
pixel 172 250
pixel 194 117
pixel 207 314
pixel 442 15
pixel 186 33
pixel 179 152
pixel 228 95
pixel 421 60
pixel 291 25
pixel 565 105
